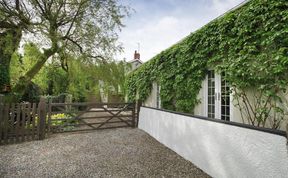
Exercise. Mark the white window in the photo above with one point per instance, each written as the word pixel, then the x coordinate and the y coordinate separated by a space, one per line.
pixel 158 99
pixel 218 96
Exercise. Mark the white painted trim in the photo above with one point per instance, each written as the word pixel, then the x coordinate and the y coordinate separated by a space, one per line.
pixel 158 102
pixel 231 107
pixel 205 96
pixel 217 95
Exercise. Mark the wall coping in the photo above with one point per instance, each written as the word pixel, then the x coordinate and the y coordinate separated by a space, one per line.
pixel 237 124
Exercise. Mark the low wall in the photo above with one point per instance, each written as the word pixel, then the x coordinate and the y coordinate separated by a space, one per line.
pixel 219 148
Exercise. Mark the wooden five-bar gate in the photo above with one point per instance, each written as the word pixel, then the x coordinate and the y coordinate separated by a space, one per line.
pixel 25 121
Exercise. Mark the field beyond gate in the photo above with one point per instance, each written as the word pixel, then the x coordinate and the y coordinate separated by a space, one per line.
pixel 25 121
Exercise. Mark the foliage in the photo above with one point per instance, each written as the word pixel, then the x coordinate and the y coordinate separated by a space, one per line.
pixel 51 79
pixel 55 120
pixel 20 64
pixel 61 98
pixel 112 74
pixel 81 80
pixel 64 28
pixel 32 93
pixel 249 44
pixel 88 79
pixel 57 80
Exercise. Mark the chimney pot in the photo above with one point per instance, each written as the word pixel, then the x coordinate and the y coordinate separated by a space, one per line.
pixel 136 55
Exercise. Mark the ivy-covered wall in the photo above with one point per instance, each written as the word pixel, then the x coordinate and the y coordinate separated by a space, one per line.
pixel 250 44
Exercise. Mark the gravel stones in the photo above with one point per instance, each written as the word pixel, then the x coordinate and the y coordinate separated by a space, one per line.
pixel 104 153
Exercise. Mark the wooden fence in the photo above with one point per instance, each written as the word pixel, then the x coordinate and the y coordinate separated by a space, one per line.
pixel 31 121
pixel 22 122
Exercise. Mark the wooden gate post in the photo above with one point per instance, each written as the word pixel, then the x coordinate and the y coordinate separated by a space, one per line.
pixel 5 122
pixel 49 116
pixel 139 104
pixel 134 115
pixel 42 118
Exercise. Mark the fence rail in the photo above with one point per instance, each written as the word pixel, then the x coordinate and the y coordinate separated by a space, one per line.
pixel 91 116
pixel 21 122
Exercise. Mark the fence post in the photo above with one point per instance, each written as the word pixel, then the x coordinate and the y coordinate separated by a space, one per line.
pixel 5 122
pixel 42 118
pixel 49 116
pixel 134 115
pixel 68 99
pixel 139 104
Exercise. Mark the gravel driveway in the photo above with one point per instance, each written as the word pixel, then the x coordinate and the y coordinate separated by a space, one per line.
pixel 104 153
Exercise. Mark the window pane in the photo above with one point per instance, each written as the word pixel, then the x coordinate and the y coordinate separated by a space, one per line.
pixel 225 99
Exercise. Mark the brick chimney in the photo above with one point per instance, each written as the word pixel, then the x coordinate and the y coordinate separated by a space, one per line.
pixel 136 55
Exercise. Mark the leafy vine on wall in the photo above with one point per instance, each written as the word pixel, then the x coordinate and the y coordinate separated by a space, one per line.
pixel 249 44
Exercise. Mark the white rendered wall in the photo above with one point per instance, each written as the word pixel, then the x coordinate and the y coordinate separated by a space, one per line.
pixel 220 150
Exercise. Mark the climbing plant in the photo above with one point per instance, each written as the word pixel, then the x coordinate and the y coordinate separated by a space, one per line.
pixel 249 44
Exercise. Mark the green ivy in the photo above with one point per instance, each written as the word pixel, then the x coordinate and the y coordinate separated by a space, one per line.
pixel 250 44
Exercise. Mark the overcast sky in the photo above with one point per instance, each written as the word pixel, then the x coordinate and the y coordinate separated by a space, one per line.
pixel 158 24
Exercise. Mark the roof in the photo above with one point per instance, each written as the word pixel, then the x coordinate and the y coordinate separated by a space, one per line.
pixel 136 60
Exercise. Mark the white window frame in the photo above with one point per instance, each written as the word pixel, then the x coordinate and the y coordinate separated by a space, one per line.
pixel 217 97
pixel 158 97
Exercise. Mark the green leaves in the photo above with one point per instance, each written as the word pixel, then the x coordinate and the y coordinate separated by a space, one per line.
pixel 249 44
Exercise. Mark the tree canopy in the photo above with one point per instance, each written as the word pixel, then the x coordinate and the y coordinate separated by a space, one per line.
pixel 62 28
pixel 83 80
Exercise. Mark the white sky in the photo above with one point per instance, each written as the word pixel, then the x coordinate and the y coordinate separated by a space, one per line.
pixel 158 24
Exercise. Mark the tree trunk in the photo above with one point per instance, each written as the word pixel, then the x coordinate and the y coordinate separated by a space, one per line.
pixel 9 42
pixel 24 81
pixel 4 70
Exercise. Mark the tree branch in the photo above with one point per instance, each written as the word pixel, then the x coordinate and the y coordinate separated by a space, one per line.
pixel 74 18
pixel 74 42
